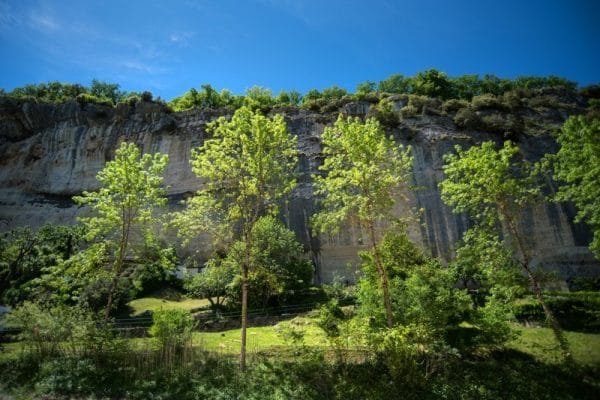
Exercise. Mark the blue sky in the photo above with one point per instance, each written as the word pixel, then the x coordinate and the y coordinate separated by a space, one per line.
pixel 168 47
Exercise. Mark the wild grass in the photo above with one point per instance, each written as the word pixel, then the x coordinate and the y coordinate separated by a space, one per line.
pixel 145 304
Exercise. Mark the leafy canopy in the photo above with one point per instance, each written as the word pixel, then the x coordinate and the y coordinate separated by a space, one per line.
pixel 364 171
pixel 482 181
pixel 123 210
pixel 277 265
pixel 246 167
pixel 131 190
pixel 577 166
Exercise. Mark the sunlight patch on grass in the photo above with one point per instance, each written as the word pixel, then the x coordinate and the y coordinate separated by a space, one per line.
pixel 540 343
pixel 258 339
pixel 139 306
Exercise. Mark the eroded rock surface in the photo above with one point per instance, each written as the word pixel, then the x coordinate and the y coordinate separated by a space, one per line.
pixel 48 153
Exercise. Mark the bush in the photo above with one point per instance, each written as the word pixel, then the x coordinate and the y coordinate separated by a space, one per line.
pixel 409 111
pixel 413 354
pixel 424 104
pixel 69 376
pixel 487 101
pixel 576 311
pixel 85 98
pixel 453 105
pixel 467 118
pixel 504 124
pixel 385 113
pixel 43 330
pixel 279 267
pixel 172 329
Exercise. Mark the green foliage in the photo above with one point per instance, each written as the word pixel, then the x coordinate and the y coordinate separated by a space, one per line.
pixel 484 264
pixel 56 92
pixel 413 354
pixel 206 98
pixel 428 309
pixel 486 101
pixel 418 104
pixel 494 187
pixel 123 211
pixel 432 83
pixel 365 89
pixel 51 92
pixel 364 171
pixel 466 86
pixel 212 281
pixel 259 99
pixel 577 167
pixel 48 331
pixel 85 98
pixel 467 118
pixel 481 180
pixel 278 267
pixel 454 105
pixel 330 317
pixel 172 329
pixel 396 84
pixel 422 291
pixel 292 98
pixel 25 256
pixel 576 311
pixel 105 90
pixel 385 112
pixel 248 166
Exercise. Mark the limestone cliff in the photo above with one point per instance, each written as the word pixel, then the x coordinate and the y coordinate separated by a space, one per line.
pixel 48 153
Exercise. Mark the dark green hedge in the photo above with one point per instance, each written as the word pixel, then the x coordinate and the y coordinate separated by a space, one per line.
pixel 575 311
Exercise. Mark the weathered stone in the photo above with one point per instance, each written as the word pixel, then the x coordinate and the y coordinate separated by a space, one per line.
pixel 49 153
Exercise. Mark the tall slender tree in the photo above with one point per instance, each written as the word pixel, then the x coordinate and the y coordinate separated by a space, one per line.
pixel 494 187
pixel 123 206
pixel 577 166
pixel 247 167
pixel 364 172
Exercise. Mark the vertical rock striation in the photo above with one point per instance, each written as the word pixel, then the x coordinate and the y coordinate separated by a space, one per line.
pixel 48 153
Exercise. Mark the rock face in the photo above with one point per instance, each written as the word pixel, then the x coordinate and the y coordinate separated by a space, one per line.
pixel 48 153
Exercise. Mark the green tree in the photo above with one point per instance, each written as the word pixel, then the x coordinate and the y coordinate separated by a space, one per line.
pixel 124 207
pixel 259 98
pixel 24 256
pixel 396 84
pixel 246 167
pixel 484 262
pixel 212 281
pixel 577 167
pixel 432 83
pixel 364 171
pixel 107 90
pixel 278 265
pixel 494 187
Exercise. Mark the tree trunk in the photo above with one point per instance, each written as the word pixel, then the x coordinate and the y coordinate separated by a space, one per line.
pixel 245 268
pixel 389 316
pixel 109 302
pixel 127 216
pixel 537 290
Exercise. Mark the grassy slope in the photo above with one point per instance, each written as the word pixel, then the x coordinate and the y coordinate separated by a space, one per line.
pixel 139 306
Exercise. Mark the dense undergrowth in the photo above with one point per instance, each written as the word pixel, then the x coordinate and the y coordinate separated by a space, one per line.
pixel 119 371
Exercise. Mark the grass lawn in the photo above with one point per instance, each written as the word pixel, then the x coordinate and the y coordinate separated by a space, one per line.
pixel 540 343
pixel 259 338
pixel 141 305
